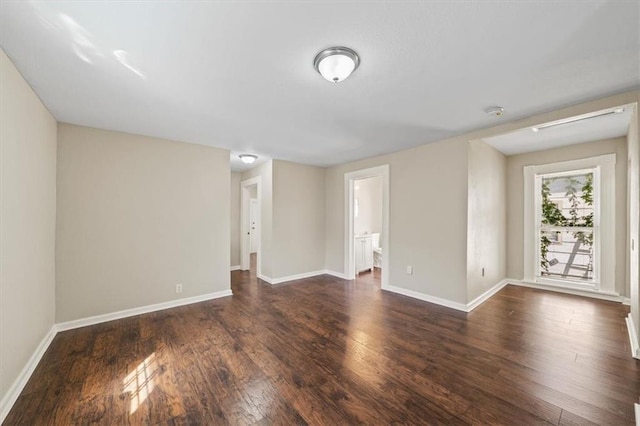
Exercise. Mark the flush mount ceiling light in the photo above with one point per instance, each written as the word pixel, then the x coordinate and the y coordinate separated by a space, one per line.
pixel 248 158
pixel 577 118
pixel 336 63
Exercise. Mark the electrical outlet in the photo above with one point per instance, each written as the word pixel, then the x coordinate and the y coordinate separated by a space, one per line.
pixel 178 288
pixel 409 270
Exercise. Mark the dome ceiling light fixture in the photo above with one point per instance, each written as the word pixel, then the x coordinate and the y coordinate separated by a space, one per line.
pixel 336 63
pixel 248 158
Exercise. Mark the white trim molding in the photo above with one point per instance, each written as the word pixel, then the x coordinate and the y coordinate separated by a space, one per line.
pixel 633 337
pixel 18 385
pixel 265 278
pixel 486 295
pixel 336 274
pixel 83 322
pixel 636 408
pixel 449 303
pixel 594 294
pixel 236 268
pixel 427 298
pixel 274 281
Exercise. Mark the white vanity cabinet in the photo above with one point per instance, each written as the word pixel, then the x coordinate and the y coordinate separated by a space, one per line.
pixel 363 248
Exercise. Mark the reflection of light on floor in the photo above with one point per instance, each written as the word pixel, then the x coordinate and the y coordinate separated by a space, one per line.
pixel 139 383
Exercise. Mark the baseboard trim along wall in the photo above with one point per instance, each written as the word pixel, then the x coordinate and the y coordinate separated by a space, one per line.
pixel 486 295
pixel 449 303
pixel 613 297
pixel 336 274
pixel 426 298
pixel 235 268
pixel 18 385
pixel 274 281
pixel 83 322
pixel 633 337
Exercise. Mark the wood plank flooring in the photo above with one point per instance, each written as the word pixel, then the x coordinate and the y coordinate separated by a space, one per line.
pixel 328 351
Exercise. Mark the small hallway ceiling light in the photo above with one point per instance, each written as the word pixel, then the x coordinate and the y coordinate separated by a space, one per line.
pixel 248 158
pixel 336 63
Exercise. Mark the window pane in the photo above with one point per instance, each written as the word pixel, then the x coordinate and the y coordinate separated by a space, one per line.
pixel 566 254
pixel 567 200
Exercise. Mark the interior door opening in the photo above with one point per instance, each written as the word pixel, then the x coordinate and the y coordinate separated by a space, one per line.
pixel 367 225
pixel 250 241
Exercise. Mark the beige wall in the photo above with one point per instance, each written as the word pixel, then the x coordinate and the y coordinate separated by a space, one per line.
pixel 515 197
pixel 428 217
pixel 368 192
pixel 292 218
pixel 298 218
pixel 486 219
pixel 27 222
pixel 136 216
pixel 415 171
pixel 265 171
pixel 235 218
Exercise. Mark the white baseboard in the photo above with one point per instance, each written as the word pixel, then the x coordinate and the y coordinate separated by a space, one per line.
pixel 18 385
pixel 633 337
pixel 265 278
pixel 427 298
pixel 336 274
pixel 486 295
pixel 626 301
pixel 274 281
pixel 83 322
pixel 449 303
pixel 637 410
pixel 613 297
pixel 296 277
pixel 236 268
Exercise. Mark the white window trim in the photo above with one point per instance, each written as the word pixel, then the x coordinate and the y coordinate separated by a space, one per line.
pixel 604 259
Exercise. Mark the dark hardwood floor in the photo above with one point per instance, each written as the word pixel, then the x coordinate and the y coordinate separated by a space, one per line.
pixel 328 351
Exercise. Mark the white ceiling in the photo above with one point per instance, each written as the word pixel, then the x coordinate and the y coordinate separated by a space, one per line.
pixel 593 129
pixel 239 74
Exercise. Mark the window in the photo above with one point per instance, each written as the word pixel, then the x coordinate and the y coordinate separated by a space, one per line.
pixel 566 230
pixel 569 235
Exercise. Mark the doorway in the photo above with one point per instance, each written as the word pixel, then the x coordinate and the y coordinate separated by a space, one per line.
pixel 253 224
pixel 367 228
pixel 250 241
pixel 366 249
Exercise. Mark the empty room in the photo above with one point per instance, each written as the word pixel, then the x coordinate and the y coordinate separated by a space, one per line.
pixel 319 212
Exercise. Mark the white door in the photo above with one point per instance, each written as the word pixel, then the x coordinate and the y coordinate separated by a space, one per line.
pixel 253 225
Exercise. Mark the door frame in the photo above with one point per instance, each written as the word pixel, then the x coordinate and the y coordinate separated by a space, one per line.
pixel 245 242
pixel 252 233
pixel 349 193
